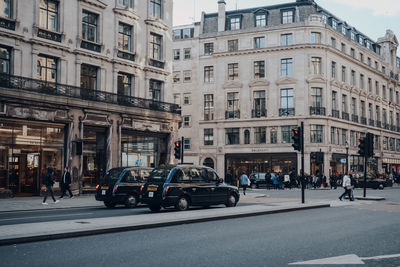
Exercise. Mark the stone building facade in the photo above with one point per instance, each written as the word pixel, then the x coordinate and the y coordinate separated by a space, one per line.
pixel 246 78
pixel 84 84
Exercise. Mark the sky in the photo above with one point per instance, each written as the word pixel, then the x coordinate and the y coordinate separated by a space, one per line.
pixel 366 16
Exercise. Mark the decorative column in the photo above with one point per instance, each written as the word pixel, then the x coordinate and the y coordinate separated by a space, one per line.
pixel 109 156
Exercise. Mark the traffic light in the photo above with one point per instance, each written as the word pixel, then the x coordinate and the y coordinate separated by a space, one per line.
pixel 370 145
pixel 177 149
pixel 362 146
pixel 297 139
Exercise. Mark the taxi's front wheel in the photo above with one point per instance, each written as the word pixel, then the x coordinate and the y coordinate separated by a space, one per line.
pixel 231 202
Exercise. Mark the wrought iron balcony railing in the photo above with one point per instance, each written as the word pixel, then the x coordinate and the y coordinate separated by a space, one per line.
pixel 335 113
pixel 7 23
pixel 354 118
pixel 91 46
pixel 53 36
pixel 258 113
pixel 33 85
pixel 371 122
pixel 286 112
pixel 392 127
pixel 364 120
pixel 317 111
pixel 345 116
pixel 156 63
pixel 378 124
pixel 235 114
pixel 126 55
pixel 386 126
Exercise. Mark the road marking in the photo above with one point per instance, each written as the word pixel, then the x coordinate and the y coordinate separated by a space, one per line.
pixel 345 259
pixel 52 216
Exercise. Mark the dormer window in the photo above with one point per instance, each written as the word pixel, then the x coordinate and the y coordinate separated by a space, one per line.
pixel 353 36
pixel 234 23
pixel 334 24
pixel 261 20
pixel 368 44
pixel 287 16
pixel 360 40
pixel 325 18
pixel 344 30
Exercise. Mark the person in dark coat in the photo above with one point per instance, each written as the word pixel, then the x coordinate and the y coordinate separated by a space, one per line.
pixel 228 178
pixel 48 181
pixel 65 182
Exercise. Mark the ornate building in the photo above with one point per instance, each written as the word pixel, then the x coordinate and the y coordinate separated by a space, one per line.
pixel 246 78
pixel 84 84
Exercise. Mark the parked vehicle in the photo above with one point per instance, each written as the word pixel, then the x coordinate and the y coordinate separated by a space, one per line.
pixel 260 178
pixel 186 185
pixel 374 183
pixel 122 186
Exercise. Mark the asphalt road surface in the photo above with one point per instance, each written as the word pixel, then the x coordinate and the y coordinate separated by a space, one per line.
pixel 360 232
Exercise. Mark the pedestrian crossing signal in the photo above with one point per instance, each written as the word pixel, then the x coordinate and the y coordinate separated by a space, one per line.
pixel 177 149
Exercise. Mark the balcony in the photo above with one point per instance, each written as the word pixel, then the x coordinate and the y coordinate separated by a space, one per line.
pixel 398 129
pixel 364 120
pixel 284 112
pixel 345 116
pixel 126 55
pixel 91 46
pixel 392 127
pixel 49 35
pixel 378 124
pixel 156 63
pixel 335 113
pixel 7 24
pixel 56 89
pixel 235 114
pixel 386 126
pixel 317 111
pixel 354 118
pixel 258 113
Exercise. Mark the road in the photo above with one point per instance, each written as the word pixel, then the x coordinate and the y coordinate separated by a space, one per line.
pixel 271 240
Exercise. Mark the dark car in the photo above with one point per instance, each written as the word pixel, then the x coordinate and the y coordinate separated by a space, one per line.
pixel 260 178
pixel 186 185
pixel 122 186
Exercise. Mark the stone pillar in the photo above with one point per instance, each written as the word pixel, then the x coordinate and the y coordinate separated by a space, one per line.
pixel 109 153
pixel 327 167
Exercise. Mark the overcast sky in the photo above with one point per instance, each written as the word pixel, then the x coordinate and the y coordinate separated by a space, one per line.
pixel 365 15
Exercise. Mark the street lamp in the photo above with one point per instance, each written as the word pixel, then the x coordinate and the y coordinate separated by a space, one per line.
pixel 347 156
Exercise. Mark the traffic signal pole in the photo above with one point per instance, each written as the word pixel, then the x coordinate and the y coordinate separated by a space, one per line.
pixel 302 163
pixel 365 176
pixel 182 145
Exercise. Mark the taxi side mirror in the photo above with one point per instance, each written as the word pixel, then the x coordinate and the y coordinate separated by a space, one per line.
pixel 220 180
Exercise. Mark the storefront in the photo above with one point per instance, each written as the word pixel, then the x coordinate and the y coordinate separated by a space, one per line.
pixel 27 148
pixel 391 165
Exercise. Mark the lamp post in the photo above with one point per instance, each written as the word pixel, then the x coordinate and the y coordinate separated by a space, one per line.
pixel 347 157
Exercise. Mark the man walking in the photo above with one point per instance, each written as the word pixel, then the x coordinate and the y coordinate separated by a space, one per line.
pixel 244 180
pixel 65 182
pixel 48 181
pixel 347 186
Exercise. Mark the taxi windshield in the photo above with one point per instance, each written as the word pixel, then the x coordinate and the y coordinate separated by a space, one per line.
pixel 112 175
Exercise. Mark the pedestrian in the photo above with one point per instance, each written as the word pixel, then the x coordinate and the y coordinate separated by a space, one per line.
pixel 65 182
pixel 48 181
pixel 274 180
pixel 347 186
pixel 244 180
pixel 228 177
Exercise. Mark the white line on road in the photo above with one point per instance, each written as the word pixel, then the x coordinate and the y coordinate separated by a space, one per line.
pixel 382 257
pixel 345 259
pixel 52 216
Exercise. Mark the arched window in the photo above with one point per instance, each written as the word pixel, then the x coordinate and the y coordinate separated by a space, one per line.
pixel 246 137
pixel 209 162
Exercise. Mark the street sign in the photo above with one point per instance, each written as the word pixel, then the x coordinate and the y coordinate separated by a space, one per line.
pixel 342 160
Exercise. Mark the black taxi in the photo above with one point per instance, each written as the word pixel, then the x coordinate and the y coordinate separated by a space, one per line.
pixel 186 185
pixel 122 186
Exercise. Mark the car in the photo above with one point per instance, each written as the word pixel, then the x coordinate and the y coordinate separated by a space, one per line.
pixel 260 178
pixel 374 183
pixel 186 185
pixel 122 186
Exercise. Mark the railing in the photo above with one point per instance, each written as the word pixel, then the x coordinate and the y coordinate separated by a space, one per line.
pixel 91 46
pixel 286 112
pixel 392 127
pixel 126 55
pixel 156 63
pixel 335 113
pixel 53 36
pixel 398 129
pixel 371 122
pixel 258 113
pixel 345 116
pixel 232 114
pixel 378 124
pixel 386 126
pixel 317 111
pixel 364 120
pixel 32 85
pixel 7 24
pixel 354 118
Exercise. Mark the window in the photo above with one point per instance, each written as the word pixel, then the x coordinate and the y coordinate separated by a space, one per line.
pixel 6 11
pixel 209 74
pixel 186 121
pixel 208 107
pixel 88 77
pixel 186 52
pixel 286 67
pixel 360 40
pixel 344 103
pixel 391 94
pixel 125 84
pixel 383 69
pixel 352 137
pixel 234 23
pixel 370 112
pixel 259 104
pixel 383 91
pixel 177 99
pixel 333 131
pixel 353 106
pixel 260 135
pixel 261 20
pixel 233 45
pixel 397 97
pixel 352 52
pixel 316 65
pixel 127 3
pixel 155 46
pixel 362 81
pixel 361 57
pixel 47 68
pixel 353 78
pixel 187 99
pixel 287 134
pixel 273 136
pixel 344 137
pixel 259 42
pixel 155 89
pixel 233 71
pixel 287 16
pixel 333 42
pixel 48 18
pixel 177 54
pixel 177 34
pixel 155 8
pixel 208 137
pixel 334 100
pixel 352 36
pixel 325 18
pixel 362 108
pixel 343 74
pixel 187 33
pixel 186 144
pixel 208 49
pixel 233 107
pixel 232 136
pixel 369 61
pixel 5 60
pixel 89 26
pixel 286 39
pixel 287 104
pixel 376 65
pixel 317 133
pixel 376 88
pixel 316 97
pixel 370 85
pixel 246 137
pixel 315 38
pixel 124 37
pixel 259 69
pixel 343 48
pixel 333 70
pixel 344 30
pixel 334 24
pixel 187 76
pixel 377 113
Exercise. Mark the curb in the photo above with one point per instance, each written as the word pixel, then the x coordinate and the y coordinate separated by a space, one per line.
pixel 28 239
pixel 370 198
pixel 50 208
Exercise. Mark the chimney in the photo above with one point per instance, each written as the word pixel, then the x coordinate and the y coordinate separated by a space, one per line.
pixel 221 15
